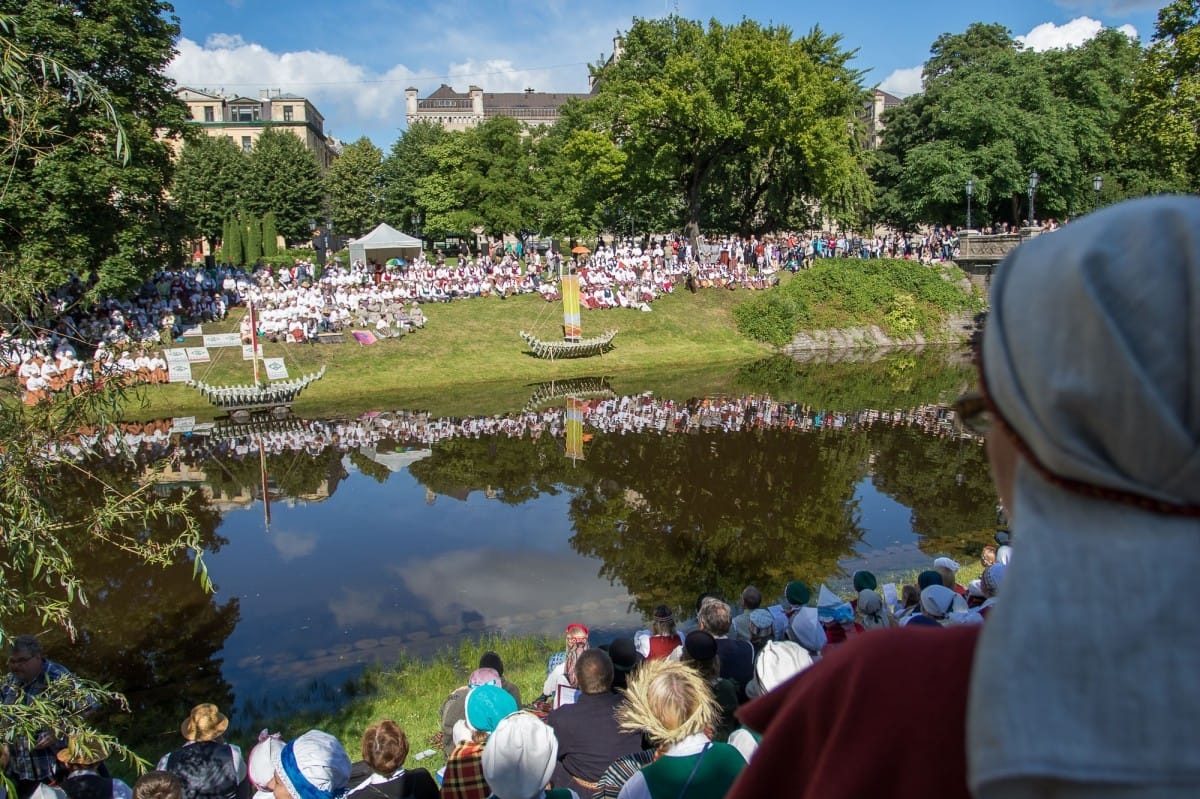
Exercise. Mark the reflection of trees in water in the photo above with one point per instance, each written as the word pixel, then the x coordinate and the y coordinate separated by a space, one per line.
pixel 944 480
pixel 897 379
pixel 673 515
pixel 300 473
pixel 516 469
pixel 152 634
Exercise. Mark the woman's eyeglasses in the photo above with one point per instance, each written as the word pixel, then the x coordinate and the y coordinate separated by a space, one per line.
pixel 974 413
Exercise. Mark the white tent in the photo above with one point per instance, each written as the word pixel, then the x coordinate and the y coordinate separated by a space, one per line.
pixel 384 243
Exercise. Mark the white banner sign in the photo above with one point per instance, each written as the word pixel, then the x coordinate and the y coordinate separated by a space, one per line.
pixel 183 424
pixel 194 330
pixel 248 353
pixel 223 340
pixel 197 354
pixel 179 372
pixel 177 355
pixel 276 368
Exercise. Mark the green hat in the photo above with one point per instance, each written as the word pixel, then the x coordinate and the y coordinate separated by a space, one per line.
pixel 864 581
pixel 795 595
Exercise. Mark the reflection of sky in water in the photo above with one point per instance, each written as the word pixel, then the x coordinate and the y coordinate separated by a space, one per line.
pixel 374 571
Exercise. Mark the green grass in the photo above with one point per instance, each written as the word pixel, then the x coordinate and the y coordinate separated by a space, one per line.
pixel 470 358
pixel 410 693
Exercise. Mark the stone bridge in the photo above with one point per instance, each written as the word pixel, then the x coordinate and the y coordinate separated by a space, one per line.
pixel 978 254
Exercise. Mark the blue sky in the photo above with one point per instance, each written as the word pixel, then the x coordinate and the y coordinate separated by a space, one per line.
pixel 354 58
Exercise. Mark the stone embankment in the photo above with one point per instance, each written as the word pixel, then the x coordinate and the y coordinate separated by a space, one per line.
pixel 958 330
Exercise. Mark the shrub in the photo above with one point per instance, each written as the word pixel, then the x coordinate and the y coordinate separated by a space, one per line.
pixel 901 297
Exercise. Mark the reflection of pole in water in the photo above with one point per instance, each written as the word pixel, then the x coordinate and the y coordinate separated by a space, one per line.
pixel 574 424
pixel 262 467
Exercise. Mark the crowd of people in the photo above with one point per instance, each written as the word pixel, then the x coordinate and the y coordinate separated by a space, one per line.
pixel 147 442
pixel 1089 376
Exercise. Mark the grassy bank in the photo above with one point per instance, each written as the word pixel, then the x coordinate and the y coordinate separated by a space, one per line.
pixel 470 352
pixel 411 692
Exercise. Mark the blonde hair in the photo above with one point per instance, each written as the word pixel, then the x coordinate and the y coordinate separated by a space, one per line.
pixel 668 701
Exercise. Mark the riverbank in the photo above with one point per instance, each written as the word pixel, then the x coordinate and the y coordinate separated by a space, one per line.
pixel 411 692
pixel 469 348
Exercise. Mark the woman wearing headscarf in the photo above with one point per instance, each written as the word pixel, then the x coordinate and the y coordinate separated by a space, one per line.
pixel 561 676
pixel 1090 377
pixel 670 703
pixel 871 614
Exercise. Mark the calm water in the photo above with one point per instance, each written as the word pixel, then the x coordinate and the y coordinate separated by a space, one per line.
pixel 398 532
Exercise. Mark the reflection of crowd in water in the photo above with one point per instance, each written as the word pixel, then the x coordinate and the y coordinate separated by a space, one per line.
pixel 618 415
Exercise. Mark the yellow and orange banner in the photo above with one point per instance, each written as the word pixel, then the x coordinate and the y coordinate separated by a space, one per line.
pixel 572 326
pixel 574 429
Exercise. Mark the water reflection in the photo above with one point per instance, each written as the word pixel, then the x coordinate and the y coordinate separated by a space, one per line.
pixel 398 531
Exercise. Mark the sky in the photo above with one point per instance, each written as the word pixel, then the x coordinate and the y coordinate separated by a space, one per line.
pixel 353 59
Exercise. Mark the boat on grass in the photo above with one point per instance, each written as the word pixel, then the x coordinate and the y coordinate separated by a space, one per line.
pixel 573 344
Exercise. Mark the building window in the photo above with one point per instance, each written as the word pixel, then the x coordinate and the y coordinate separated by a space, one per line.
pixel 287 113
pixel 208 113
pixel 247 145
pixel 246 114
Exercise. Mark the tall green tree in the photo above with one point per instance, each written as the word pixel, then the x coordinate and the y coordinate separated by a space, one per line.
pixel 1162 129
pixel 482 179
pixel 284 177
pixel 354 182
pixel 994 112
pixel 728 102
pixel 412 158
pixel 208 183
pixel 234 248
pixel 252 231
pixel 60 104
pixel 68 207
pixel 270 235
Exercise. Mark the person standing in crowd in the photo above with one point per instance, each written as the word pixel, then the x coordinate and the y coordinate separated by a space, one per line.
pixel 208 767
pixel 81 757
pixel 32 760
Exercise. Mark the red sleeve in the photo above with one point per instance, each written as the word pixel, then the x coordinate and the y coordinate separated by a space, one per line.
pixel 841 729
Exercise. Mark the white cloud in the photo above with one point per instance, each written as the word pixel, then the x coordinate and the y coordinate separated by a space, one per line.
pixel 349 96
pixel 1049 36
pixel 903 82
pixel 292 545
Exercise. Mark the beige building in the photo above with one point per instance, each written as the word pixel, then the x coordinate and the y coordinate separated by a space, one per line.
pixel 873 115
pixel 463 110
pixel 460 111
pixel 243 119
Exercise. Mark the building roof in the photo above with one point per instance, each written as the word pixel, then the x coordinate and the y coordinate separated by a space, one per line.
pixel 889 100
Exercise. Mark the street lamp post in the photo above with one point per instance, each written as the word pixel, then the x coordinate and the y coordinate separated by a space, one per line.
pixel 1097 184
pixel 970 194
pixel 1034 179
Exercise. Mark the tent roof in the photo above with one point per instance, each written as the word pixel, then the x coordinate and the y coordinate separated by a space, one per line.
pixel 386 236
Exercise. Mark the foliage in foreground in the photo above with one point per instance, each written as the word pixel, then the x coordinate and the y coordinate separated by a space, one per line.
pixel 901 297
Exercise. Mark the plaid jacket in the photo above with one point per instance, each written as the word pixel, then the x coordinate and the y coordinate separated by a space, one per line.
pixel 29 763
pixel 464 773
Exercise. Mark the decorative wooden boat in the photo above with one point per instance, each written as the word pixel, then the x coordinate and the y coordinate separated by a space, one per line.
pixel 578 387
pixel 242 401
pixel 573 345
pixel 582 348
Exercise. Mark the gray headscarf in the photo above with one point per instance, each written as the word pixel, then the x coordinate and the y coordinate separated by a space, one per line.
pixel 870 609
pixel 1092 356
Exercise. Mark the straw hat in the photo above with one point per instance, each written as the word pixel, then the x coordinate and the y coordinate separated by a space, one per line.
pixel 83 750
pixel 204 723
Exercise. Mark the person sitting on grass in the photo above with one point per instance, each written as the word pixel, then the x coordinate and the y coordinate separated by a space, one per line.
pixel 671 703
